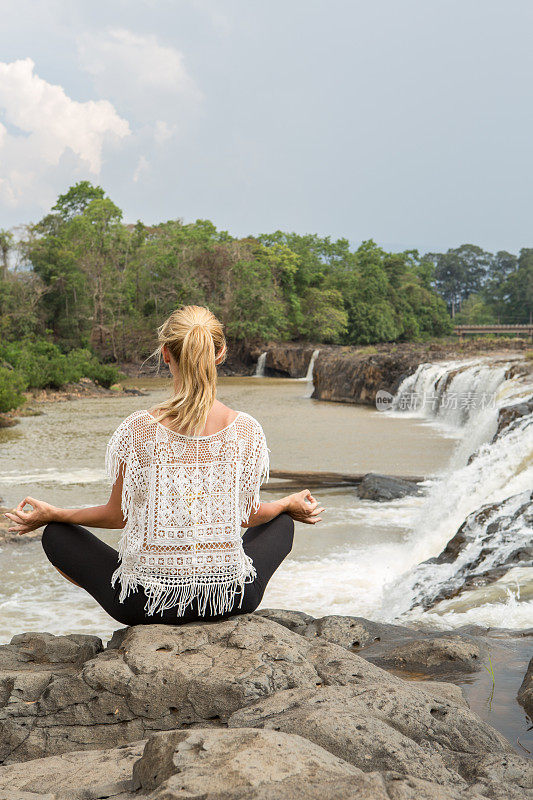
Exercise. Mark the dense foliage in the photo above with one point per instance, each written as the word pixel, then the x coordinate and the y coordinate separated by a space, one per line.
pixel 484 288
pixel 93 282
pixel 41 364
pixel 81 287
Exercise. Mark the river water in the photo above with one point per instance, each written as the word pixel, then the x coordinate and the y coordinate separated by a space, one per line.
pixel 364 558
pixel 59 457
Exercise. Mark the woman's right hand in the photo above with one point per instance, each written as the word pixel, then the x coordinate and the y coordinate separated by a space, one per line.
pixel 303 507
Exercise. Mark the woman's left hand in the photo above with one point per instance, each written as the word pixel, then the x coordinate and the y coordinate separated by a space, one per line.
pixel 26 521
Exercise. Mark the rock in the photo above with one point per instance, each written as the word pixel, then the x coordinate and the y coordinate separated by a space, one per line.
pixel 28 411
pixel 400 728
pixel 392 646
pixel 490 542
pixel 132 390
pixel 352 375
pixel 507 415
pixel 74 776
pixel 443 691
pixel 32 649
pixel 383 488
pixel 8 422
pixel 206 763
pixel 525 693
pixel 158 677
pixel 293 620
pixel 116 387
pixel 434 655
pixel 353 633
pixel 288 361
pixel 243 708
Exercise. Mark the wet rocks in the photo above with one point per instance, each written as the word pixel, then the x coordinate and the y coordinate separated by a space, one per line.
pixel 489 543
pixel 383 488
pixel 509 414
pixel 525 693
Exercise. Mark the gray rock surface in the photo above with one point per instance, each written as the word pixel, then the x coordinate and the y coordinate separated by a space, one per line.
pixel 242 709
pixel 525 693
pixel 382 488
pixel 158 677
pixel 74 776
pixel 391 645
pixel 398 728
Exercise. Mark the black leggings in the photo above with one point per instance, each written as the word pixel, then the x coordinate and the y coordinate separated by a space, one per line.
pixel 90 562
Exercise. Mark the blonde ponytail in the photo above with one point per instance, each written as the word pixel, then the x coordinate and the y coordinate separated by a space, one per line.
pixel 195 339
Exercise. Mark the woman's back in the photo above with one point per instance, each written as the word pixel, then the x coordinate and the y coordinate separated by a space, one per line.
pixel 184 499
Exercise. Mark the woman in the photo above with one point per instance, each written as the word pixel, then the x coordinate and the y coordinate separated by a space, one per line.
pixel 186 477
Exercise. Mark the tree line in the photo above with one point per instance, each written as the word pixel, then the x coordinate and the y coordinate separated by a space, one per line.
pixel 82 279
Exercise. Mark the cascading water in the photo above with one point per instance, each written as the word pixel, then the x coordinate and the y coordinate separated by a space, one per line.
pixel 260 366
pixel 309 374
pixel 497 482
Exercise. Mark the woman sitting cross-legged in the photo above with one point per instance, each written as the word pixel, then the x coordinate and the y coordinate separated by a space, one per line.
pixel 186 477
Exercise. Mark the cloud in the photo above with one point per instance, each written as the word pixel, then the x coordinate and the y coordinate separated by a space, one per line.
pixel 132 62
pixel 143 166
pixel 44 127
pixel 163 131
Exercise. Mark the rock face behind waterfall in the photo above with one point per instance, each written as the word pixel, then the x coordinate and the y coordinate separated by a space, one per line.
pixel 354 376
pixel 288 361
pixel 245 708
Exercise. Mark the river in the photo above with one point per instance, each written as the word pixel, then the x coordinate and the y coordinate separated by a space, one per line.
pixel 364 558
pixel 58 457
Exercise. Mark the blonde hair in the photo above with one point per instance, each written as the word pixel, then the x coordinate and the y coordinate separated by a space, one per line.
pixel 195 339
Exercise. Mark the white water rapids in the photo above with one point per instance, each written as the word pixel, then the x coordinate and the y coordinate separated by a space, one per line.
pixel 384 580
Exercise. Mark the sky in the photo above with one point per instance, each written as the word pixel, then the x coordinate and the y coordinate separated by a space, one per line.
pixel 406 121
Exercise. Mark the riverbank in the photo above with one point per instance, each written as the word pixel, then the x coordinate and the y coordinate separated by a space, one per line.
pixel 163 711
pixel 83 388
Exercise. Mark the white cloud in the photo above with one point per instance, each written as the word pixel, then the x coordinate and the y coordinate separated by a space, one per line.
pixel 45 126
pixel 163 131
pixel 133 62
pixel 143 166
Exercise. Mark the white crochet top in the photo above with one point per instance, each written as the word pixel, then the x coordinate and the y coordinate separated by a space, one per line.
pixel 184 499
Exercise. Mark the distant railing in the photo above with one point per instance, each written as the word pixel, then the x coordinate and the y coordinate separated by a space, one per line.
pixel 462 330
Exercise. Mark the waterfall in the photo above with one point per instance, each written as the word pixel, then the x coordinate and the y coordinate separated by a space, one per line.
pixel 309 374
pixel 493 474
pixel 260 366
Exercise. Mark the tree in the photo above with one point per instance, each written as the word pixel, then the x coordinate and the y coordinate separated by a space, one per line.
pixel 6 243
pixel 459 272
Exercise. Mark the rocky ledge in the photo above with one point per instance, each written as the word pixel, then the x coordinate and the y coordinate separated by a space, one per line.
pixel 273 705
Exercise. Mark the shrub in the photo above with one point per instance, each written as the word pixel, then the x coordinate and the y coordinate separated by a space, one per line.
pixel 43 365
pixel 12 384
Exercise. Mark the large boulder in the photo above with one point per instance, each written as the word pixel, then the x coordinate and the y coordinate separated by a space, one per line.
pixel 73 776
pixel 215 764
pixel 159 677
pixel 384 488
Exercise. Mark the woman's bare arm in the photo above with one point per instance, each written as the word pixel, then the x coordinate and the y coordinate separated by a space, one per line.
pixel 105 516
pixel 301 506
